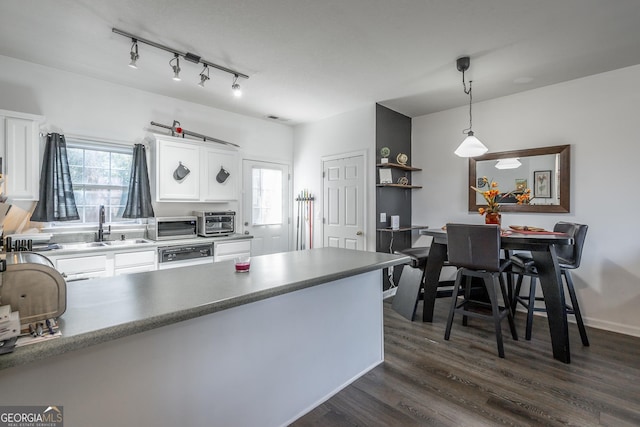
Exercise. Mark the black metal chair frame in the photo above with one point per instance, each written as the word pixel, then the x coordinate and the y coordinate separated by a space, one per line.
pixel 568 260
pixel 475 250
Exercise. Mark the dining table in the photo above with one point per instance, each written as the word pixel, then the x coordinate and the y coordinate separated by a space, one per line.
pixel 541 244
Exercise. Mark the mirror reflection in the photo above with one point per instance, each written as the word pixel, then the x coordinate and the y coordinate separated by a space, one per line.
pixel 538 173
pixel 544 171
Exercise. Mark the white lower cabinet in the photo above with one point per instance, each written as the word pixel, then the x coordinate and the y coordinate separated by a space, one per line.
pixel 112 263
pixel 82 267
pixel 135 262
pixel 229 250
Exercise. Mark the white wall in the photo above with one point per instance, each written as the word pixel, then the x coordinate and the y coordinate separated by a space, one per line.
pixel 598 117
pixel 79 105
pixel 343 133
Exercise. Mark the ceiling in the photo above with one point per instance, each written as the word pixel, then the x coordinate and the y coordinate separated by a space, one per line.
pixel 310 59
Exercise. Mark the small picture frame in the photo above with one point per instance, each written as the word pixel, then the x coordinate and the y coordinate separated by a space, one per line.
pixel 521 184
pixel 385 176
pixel 542 184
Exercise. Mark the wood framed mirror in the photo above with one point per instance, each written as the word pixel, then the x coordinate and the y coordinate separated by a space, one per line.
pixel 546 171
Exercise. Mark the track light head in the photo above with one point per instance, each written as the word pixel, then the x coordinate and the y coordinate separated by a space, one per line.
pixel 134 54
pixel 176 68
pixel 204 76
pixel 235 87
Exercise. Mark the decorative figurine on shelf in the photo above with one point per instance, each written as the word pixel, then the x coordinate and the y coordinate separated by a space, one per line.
pixel 402 159
pixel 403 180
pixel 384 152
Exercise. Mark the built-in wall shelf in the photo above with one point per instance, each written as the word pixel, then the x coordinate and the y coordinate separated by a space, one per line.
pixel 397 166
pixel 399 186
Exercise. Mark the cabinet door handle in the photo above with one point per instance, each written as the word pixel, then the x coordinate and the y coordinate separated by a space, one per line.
pixel 246 232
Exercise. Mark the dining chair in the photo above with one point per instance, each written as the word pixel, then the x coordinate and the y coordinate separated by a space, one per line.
pixel 569 257
pixel 475 250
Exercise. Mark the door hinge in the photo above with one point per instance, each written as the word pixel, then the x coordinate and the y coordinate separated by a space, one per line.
pixel 289 176
pixel 323 221
pixel 323 174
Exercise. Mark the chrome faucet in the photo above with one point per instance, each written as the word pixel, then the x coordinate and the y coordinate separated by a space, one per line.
pixel 101 219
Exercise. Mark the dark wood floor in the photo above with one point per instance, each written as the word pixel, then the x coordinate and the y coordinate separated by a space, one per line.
pixel 425 380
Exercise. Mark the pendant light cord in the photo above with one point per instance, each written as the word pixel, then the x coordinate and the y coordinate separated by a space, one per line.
pixel 468 92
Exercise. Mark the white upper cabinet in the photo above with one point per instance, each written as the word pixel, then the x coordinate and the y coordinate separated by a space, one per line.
pixel 177 170
pixel 220 183
pixel 188 170
pixel 20 145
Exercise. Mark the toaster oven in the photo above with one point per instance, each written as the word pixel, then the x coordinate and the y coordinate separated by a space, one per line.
pixel 216 223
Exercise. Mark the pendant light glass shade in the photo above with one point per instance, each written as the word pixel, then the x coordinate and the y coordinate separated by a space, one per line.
pixel 512 163
pixel 471 147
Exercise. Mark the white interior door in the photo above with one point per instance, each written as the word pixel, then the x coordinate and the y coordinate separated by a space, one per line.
pixel 343 203
pixel 266 206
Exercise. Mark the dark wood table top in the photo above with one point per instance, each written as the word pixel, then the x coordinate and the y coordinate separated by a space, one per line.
pixel 512 239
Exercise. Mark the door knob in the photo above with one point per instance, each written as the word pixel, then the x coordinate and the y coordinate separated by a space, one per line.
pixel 246 223
pixel 359 233
pixel 246 232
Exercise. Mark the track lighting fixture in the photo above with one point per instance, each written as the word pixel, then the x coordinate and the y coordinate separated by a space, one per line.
pixel 176 68
pixel 204 77
pixel 235 87
pixel 471 146
pixel 134 54
pixel 175 61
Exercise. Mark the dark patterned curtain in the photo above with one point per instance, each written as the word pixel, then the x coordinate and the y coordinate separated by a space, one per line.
pixel 56 201
pixel 139 195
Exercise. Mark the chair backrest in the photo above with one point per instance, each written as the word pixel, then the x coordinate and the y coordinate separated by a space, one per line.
pixel 474 246
pixel 569 256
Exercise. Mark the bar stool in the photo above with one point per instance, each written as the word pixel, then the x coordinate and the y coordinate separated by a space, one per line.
pixel 475 250
pixel 569 257
pixel 411 282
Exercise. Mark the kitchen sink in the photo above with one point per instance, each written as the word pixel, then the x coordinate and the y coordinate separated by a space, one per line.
pixel 126 242
pixel 106 243
pixel 82 245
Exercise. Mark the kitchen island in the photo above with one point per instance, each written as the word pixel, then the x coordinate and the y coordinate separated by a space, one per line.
pixel 204 345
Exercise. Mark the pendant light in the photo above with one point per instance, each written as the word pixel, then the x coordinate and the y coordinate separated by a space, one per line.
pixel 471 146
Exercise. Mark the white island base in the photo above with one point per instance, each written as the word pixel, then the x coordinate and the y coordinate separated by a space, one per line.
pixel 265 363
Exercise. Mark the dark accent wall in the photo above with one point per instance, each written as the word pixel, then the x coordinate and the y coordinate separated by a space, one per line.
pixel 393 130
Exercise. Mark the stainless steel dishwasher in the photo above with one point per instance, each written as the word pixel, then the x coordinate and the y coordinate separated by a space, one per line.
pixel 184 255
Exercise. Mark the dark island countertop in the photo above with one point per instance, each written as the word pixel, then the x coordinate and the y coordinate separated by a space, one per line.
pixel 100 310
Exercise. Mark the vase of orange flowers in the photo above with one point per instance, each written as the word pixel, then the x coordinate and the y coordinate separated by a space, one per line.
pixel 492 197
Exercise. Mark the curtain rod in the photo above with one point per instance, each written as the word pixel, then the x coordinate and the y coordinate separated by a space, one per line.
pixel 104 141
pixel 191 57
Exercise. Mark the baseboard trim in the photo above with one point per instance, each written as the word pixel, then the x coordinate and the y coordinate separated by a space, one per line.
pixel 605 325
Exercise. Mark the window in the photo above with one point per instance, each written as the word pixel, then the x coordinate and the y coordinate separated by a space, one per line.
pixel 100 176
pixel 267 196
